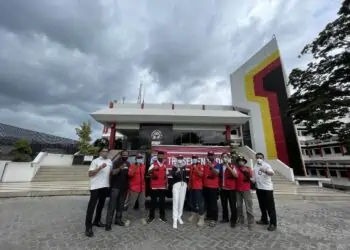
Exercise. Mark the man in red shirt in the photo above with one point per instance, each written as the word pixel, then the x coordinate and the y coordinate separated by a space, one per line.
pixel 159 183
pixel 195 187
pixel 210 188
pixel 228 174
pixel 137 186
pixel 245 173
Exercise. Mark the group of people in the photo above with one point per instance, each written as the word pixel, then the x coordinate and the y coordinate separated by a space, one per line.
pixel 200 183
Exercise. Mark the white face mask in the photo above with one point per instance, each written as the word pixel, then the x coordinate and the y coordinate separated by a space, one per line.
pixel 180 162
pixel 259 161
pixel 225 160
pixel 241 163
pixel 194 161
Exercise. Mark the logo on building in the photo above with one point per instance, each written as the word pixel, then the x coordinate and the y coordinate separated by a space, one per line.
pixel 156 135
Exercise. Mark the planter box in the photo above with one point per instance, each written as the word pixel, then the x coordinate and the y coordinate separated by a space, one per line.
pixel 83 159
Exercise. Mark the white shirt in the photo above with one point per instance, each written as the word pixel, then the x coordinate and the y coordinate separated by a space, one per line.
pixel 101 179
pixel 262 180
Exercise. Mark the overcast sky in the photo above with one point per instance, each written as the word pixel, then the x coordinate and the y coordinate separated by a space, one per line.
pixel 61 60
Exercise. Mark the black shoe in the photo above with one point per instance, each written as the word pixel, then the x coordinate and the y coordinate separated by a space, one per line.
pixel 271 228
pixel 150 220
pixel 163 219
pixel 261 222
pixel 224 221
pixel 99 224
pixel 108 228
pixel 233 224
pixel 120 223
pixel 89 232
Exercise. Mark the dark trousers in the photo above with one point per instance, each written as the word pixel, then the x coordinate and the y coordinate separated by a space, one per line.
pixel 267 205
pixel 116 203
pixel 211 203
pixel 97 196
pixel 228 197
pixel 155 194
pixel 196 201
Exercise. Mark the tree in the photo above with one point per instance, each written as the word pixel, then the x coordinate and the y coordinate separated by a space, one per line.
pixel 84 143
pixel 22 151
pixel 322 90
pixel 101 143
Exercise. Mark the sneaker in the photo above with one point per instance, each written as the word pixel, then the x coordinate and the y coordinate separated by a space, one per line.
pixel 108 228
pixel 127 223
pixel 261 222
pixel 144 221
pixel 89 232
pixel 99 224
pixel 181 222
pixel 175 224
pixel 150 220
pixel 163 219
pixel 272 228
pixel 212 224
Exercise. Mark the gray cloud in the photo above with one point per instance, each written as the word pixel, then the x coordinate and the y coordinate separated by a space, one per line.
pixel 61 60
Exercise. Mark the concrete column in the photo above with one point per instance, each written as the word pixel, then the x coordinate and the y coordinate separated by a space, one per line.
pixel 112 137
pixel 228 133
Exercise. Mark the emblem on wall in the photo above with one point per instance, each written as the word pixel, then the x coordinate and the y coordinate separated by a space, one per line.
pixel 156 135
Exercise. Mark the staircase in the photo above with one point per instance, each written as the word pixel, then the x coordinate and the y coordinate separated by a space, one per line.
pixel 53 174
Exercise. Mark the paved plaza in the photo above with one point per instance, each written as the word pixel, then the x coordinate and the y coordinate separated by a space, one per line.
pixel 58 223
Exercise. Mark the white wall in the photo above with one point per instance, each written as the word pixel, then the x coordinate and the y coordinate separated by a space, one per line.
pixel 60 160
pixel 18 172
pixel 2 167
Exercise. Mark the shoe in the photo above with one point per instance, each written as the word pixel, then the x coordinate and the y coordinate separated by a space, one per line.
pixel 181 222
pixel 212 224
pixel 89 232
pixel 120 223
pixel 250 227
pixel 192 217
pixel 99 224
pixel 108 228
pixel 150 220
pixel 144 221
pixel 163 219
pixel 240 221
pixel 233 224
pixel 261 222
pixel 224 221
pixel 175 224
pixel 201 222
pixel 272 227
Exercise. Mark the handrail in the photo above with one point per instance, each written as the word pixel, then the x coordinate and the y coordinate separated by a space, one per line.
pixel 3 172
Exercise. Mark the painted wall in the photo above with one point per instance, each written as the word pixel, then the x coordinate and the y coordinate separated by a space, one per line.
pixel 259 85
pixel 18 172
pixel 59 160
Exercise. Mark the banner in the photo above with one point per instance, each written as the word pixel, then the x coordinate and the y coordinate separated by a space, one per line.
pixel 171 152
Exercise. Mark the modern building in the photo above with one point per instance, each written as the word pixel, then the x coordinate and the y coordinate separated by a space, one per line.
pixel 257 117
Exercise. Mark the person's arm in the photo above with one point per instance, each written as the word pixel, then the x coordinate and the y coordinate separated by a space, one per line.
pixel 233 171
pixel 132 170
pixel 116 168
pixel 215 170
pixel 268 170
pixel 198 171
pixel 151 168
pixel 94 169
pixel 253 178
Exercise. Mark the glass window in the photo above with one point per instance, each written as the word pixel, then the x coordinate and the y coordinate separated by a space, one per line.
pixel 333 173
pixel 343 174
pixel 327 151
pixel 317 151
pixel 337 150
pixel 322 172
pixel 313 171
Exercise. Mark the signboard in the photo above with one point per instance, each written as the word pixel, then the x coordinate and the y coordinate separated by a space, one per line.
pixel 171 152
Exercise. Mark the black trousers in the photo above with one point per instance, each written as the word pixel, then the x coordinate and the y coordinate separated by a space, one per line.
pixel 196 203
pixel 97 196
pixel 116 203
pixel 211 203
pixel 228 197
pixel 267 206
pixel 155 194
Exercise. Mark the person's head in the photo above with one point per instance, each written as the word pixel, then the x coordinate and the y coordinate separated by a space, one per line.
pixel 225 157
pixel 139 158
pixel 241 161
pixel 211 156
pixel 194 159
pixel 160 156
pixel 104 153
pixel 180 160
pixel 259 157
pixel 125 155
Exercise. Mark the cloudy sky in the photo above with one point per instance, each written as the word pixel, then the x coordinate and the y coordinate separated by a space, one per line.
pixel 60 60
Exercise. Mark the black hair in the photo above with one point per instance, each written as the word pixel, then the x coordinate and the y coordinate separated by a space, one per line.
pixel 160 153
pixel 103 148
pixel 260 154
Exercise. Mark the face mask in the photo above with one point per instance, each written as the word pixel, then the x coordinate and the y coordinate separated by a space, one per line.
pixel 194 161
pixel 124 158
pixel 241 163
pixel 211 159
pixel 139 161
pixel 225 160
pixel 180 162
pixel 160 159
pixel 260 161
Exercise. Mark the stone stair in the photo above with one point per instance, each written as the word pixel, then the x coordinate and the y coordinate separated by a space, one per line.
pixel 54 174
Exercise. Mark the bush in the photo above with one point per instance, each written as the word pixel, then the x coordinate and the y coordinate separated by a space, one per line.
pixel 22 151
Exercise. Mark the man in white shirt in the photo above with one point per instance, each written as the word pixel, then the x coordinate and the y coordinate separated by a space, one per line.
pixel 99 172
pixel 264 191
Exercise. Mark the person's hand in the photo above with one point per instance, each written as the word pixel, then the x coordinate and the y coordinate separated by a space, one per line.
pixel 156 168
pixel 103 166
pixel 245 169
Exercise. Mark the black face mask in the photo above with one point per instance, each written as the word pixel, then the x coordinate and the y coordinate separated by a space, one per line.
pixel 160 159
pixel 124 158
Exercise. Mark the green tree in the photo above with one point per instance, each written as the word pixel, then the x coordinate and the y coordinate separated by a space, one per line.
pixel 84 142
pixel 22 151
pixel 322 90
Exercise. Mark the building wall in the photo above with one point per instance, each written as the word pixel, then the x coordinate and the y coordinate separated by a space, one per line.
pixel 259 85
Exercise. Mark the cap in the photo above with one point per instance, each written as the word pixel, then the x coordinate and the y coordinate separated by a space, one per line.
pixel 180 157
pixel 194 157
pixel 139 156
pixel 241 158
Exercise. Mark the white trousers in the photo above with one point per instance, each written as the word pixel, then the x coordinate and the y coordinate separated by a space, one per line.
pixel 179 195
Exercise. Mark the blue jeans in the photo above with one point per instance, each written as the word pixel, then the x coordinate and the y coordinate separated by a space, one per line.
pixel 196 203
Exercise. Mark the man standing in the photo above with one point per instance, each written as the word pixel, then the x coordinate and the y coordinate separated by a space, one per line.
pixel 195 187
pixel 228 190
pixel 137 186
pixel 119 186
pixel 178 173
pixel 243 192
pixel 99 183
pixel 159 182
pixel 264 191
pixel 210 188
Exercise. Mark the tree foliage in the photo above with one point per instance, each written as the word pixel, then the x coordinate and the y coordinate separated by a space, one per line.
pixel 84 143
pixel 322 98
pixel 22 151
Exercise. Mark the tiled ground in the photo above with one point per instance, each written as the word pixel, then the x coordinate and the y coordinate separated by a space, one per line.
pixel 58 223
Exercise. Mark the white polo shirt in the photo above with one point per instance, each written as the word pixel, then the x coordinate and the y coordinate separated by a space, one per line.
pixel 101 179
pixel 262 180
